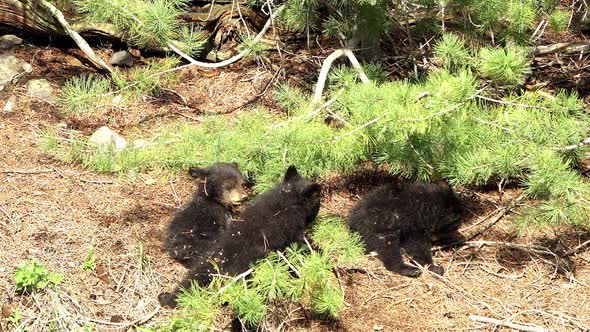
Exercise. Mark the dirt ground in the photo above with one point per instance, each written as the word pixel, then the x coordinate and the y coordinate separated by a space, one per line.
pixel 54 212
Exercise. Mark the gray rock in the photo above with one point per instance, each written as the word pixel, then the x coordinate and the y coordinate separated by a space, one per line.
pixel 122 58
pixel 40 89
pixel 9 41
pixel 11 68
pixel 105 138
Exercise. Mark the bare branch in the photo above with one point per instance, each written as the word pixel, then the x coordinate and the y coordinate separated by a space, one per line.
pixel 76 37
pixel 326 68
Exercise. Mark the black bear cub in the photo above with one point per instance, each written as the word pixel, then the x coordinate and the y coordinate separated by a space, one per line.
pixel 408 216
pixel 277 218
pixel 194 228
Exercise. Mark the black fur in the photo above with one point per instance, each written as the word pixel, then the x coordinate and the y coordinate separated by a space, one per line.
pixel 199 224
pixel 276 219
pixel 406 215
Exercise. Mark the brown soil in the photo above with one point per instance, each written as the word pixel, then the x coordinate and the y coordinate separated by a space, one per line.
pixel 55 212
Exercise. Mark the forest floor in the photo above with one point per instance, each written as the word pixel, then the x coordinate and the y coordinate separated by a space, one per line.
pixel 55 211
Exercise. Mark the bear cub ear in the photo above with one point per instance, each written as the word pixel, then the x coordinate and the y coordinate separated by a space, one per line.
pixel 291 174
pixel 312 191
pixel 198 172
pixel 235 165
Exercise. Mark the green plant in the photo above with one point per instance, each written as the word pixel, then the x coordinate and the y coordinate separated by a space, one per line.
pixel 292 99
pixel 90 262
pixel 84 94
pixel 15 320
pixel 145 80
pixel 451 50
pixel 505 66
pixel 559 20
pixel 296 275
pixel 520 17
pixel 153 25
pixel 31 276
pixel 334 238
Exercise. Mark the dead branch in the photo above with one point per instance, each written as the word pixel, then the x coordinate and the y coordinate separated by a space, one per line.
pixel 568 48
pixel 33 171
pixel 497 322
pixel 576 249
pixel 75 36
pixel 501 213
pixel 326 68
pixel 244 52
pixel 585 141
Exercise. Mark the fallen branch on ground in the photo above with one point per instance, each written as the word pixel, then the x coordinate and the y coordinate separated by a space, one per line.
pixel 76 37
pixel 572 47
pixel 576 249
pixel 506 209
pixel 33 171
pixel 497 322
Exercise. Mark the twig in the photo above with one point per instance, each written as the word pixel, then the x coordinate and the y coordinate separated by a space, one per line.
pixel 326 68
pixel 398 287
pixel 499 217
pixel 135 322
pixel 289 263
pixel 510 103
pixel 585 141
pixel 75 36
pixel 176 198
pixel 7 216
pixel 359 128
pixel 174 92
pixel 576 249
pixel 234 279
pixel 33 171
pixel 497 322
pixel 97 181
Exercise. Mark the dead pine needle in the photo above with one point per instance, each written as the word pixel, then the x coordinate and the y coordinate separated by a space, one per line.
pixel 498 322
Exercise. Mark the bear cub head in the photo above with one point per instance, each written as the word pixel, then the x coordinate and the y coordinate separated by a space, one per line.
pixel 297 188
pixel 221 182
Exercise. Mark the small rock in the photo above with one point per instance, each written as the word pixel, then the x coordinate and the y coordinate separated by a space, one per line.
pixel 75 62
pixel 377 328
pixel 139 143
pixel 11 68
pixel 10 104
pixel 9 41
pixel 104 137
pixel 41 89
pixel 135 52
pixel 116 101
pixel 122 58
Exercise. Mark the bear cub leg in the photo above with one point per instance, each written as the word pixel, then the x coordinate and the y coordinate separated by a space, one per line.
pixel 389 250
pixel 420 249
